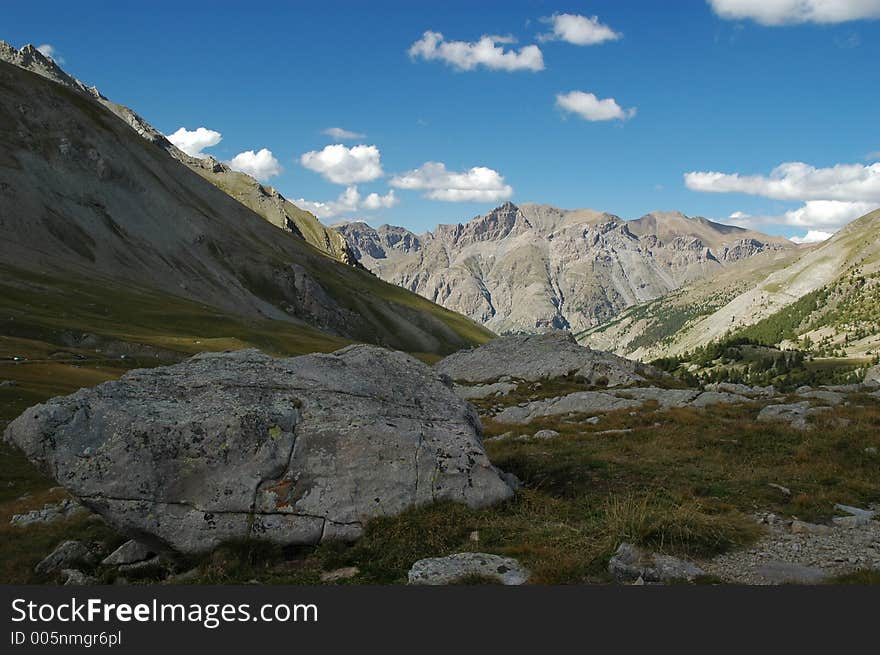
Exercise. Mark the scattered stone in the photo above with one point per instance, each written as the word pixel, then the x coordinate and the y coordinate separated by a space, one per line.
pixel 484 390
pixel 785 490
pixel 50 513
pixel 802 527
pixel 474 536
pixel 866 514
pixel 829 397
pixel 708 398
pixel 537 357
pixel 580 402
pixel 742 389
pixel 546 434
pixel 664 397
pixel 779 572
pixel 67 553
pixel 128 553
pixel 75 577
pixel 796 414
pixel 593 420
pixel 453 568
pixel 872 377
pixel 614 431
pixel 630 563
pixel 8 383
pixel 202 452
pixel 344 573
pixel 870 450
pixel 183 578
pixel 137 566
pixel 850 522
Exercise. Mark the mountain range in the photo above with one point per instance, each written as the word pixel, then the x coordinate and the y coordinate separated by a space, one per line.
pixel 824 299
pixel 532 267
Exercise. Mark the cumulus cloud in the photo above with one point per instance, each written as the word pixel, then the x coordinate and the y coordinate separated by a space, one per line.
pixel 784 12
pixel 347 202
pixel 48 50
pixel 591 108
pixel 343 165
pixel 343 135
pixel 796 181
pixel 192 142
pixel 478 184
pixel 261 164
pixel 832 214
pixel 578 30
pixel 812 236
pixel 488 52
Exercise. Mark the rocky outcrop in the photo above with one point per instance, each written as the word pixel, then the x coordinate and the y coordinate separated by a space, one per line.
pixel 541 356
pixel 235 445
pixel 532 267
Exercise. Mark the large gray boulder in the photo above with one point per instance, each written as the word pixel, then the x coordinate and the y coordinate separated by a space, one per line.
pixel 872 377
pixel 541 356
pixel 236 445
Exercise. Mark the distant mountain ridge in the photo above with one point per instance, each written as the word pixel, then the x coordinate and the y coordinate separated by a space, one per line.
pixel 824 299
pixel 531 267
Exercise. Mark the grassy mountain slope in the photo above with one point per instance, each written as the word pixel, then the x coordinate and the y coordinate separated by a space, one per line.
pixel 83 197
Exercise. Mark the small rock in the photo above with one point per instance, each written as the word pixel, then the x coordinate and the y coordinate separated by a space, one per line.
pixel 446 570
pixel 870 450
pixel 128 553
pixel 67 553
pixel 856 511
pixel 75 577
pixel 183 578
pixel 474 536
pixel 8 383
pixel 850 521
pixel 50 513
pixel 630 563
pixel 593 420
pixel 546 434
pixel 785 490
pixel 344 573
pixel 137 566
pixel 802 527
pixel 778 572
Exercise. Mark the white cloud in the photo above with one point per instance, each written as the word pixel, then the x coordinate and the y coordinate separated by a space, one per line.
pixel 578 30
pixel 782 12
pixel 591 108
pixel 488 52
pixel 343 165
pixel 832 214
pixel 819 216
pixel 261 164
pixel 812 236
pixel 48 50
pixel 192 142
pixel 478 184
pixel 796 181
pixel 347 202
pixel 343 135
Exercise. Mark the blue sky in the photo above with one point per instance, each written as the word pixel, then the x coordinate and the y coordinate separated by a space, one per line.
pixel 716 85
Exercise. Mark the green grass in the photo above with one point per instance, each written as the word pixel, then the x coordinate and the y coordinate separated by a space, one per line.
pixel 684 481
